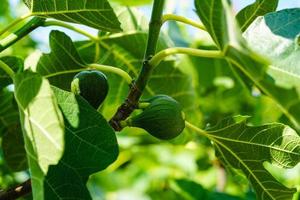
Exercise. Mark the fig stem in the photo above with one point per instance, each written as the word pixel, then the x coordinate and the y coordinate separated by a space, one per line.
pixel 196 129
pixel 177 18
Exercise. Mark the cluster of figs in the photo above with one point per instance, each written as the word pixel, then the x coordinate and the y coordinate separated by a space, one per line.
pixel 162 117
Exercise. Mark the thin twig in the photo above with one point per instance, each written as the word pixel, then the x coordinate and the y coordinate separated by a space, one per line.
pixel 16 192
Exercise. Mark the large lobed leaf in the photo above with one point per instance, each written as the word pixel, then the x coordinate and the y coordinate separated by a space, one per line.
pixel 96 14
pixel 42 124
pixel 90 146
pixel 259 8
pixel 245 147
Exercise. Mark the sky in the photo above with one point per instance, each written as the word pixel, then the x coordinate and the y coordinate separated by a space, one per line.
pixel 184 8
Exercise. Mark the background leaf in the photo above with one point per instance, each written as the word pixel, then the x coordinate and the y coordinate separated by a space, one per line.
pixel 259 8
pixel 91 146
pixel 193 191
pixel 96 14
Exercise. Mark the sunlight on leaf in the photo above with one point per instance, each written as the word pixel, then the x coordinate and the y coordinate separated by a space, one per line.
pixel 245 147
pixel 97 14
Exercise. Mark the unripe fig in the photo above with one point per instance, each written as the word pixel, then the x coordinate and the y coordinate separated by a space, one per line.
pixel 92 85
pixel 163 118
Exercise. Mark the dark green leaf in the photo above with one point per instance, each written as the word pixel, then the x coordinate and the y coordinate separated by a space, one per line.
pixel 245 147
pixel 12 140
pixel 90 146
pixel 13 148
pixel 63 58
pixel 259 8
pixel 96 14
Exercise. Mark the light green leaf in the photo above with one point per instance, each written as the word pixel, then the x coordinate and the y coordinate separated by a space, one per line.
pixel 96 14
pixel 42 125
pixel 91 146
pixel 13 62
pixel 245 147
pixel 275 37
pixel 12 139
pixel 259 8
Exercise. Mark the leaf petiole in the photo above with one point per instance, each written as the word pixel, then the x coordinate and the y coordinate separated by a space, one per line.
pixel 196 129
pixel 99 67
pixel 70 27
pixel 160 56
pixel 168 17
pixel 112 69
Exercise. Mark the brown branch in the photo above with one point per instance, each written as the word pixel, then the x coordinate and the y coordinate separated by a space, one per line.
pixel 16 192
pixel 127 107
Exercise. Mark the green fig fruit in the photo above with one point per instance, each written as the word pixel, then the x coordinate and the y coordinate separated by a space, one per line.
pixel 163 118
pixel 92 85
